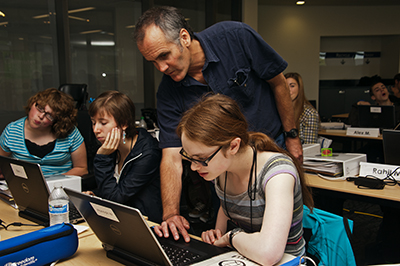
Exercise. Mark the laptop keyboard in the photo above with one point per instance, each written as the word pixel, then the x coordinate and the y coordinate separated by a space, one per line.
pixel 73 213
pixel 179 256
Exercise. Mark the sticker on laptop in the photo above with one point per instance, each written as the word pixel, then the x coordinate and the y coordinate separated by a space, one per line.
pixel 18 170
pixel 104 212
pixel 375 109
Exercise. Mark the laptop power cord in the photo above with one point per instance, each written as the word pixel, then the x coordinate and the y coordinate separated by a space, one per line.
pixel 5 226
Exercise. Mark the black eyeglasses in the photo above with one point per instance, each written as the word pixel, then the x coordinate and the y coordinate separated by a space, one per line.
pixel 202 162
pixel 46 114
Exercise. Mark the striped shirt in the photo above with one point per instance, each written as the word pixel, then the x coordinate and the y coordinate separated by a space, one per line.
pixel 239 205
pixel 309 123
pixel 58 161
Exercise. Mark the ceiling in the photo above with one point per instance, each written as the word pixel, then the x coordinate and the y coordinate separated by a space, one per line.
pixel 332 2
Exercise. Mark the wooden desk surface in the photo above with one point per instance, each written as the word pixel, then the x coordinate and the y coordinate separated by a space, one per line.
pixel 388 193
pixel 346 115
pixel 342 133
pixel 90 251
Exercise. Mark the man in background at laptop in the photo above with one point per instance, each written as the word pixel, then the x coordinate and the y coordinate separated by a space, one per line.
pixel 380 94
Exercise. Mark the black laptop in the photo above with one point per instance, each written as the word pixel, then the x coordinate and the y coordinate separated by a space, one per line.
pixel 128 239
pixel 391 146
pixel 30 191
pixel 377 116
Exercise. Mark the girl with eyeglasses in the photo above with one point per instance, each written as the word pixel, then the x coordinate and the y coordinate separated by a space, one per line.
pixel 260 186
pixel 47 135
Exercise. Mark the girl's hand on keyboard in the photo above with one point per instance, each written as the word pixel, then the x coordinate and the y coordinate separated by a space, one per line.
pixel 211 236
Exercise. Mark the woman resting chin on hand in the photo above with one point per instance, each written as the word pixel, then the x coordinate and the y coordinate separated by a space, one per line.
pixel 126 166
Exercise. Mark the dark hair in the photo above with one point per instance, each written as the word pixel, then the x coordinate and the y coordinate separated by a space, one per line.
pixel 169 19
pixel 118 105
pixel 397 77
pixel 216 120
pixel 62 105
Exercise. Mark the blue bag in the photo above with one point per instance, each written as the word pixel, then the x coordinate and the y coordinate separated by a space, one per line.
pixel 40 247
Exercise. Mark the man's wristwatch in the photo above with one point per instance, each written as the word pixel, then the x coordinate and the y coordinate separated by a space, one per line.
pixel 291 134
pixel 234 232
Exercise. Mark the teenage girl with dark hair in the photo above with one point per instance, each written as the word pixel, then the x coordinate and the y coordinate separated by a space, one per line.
pixel 126 166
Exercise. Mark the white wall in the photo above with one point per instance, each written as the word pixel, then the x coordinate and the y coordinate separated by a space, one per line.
pixel 250 13
pixel 295 32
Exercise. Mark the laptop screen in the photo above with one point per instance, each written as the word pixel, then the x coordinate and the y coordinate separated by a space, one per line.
pixel 125 233
pixel 391 146
pixel 377 116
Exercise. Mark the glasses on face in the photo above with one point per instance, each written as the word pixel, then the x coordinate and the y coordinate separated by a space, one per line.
pixel 202 162
pixel 46 114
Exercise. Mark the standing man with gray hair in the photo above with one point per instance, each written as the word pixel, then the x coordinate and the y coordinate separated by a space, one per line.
pixel 229 58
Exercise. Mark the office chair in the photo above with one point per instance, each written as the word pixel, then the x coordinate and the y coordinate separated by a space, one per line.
pixel 80 95
pixel 150 116
pixel 78 92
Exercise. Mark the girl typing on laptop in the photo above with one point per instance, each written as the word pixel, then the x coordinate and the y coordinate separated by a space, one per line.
pixel 260 186
pixel 126 166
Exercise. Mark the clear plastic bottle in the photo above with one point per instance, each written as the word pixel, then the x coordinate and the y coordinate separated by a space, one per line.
pixel 142 123
pixel 58 206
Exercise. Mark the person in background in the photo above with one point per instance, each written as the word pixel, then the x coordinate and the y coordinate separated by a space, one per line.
pixel 305 114
pixel 47 135
pixel 261 186
pixel 380 94
pixel 395 98
pixel 126 166
pixel 228 58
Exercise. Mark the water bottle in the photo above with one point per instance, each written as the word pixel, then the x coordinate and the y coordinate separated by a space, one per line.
pixel 142 123
pixel 58 206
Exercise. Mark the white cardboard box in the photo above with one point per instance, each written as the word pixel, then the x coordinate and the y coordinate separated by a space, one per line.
pixel 311 149
pixel 350 161
pixel 69 181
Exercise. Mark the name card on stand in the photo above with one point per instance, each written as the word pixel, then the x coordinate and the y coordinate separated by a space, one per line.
pixel 362 132
pixel 379 170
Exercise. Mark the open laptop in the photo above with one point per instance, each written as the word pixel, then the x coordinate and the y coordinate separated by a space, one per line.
pixel 128 239
pixel 391 146
pixel 30 190
pixel 377 116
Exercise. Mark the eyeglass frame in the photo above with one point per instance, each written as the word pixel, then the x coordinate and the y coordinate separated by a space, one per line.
pixel 41 110
pixel 202 162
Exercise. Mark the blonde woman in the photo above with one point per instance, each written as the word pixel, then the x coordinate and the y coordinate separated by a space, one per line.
pixel 306 115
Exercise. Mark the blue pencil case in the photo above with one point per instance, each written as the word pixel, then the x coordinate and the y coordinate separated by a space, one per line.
pixel 40 247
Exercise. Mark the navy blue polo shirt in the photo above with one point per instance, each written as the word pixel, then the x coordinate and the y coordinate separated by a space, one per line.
pixel 238 64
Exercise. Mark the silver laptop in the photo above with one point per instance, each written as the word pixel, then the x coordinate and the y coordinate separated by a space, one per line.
pixel 128 239
pixel 30 191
